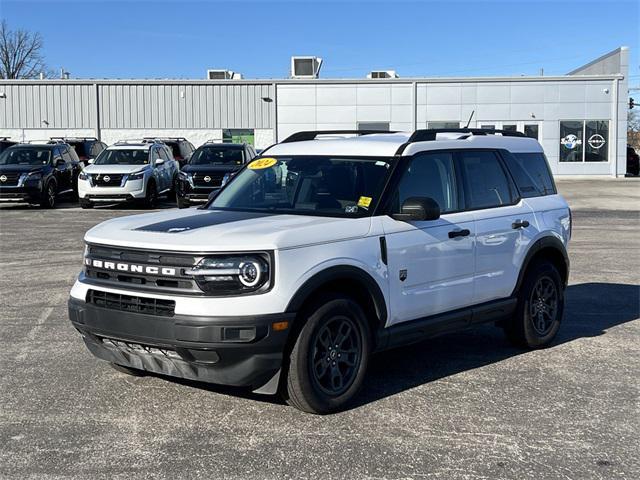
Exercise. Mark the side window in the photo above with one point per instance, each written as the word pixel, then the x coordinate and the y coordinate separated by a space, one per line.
pixel 163 154
pixel 486 183
pixel 531 173
pixel 66 156
pixel 430 175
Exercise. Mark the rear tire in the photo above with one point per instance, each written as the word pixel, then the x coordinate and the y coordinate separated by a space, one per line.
pixel 540 308
pixel 134 372
pixel 329 359
pixel 49 196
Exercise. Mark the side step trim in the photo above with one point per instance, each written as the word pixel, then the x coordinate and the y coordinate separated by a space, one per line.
pixel 422 328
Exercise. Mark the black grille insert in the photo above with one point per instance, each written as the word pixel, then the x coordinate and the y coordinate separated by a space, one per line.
pixel 215 179
pixel 107 179
pixel 11 179
pixel 129 303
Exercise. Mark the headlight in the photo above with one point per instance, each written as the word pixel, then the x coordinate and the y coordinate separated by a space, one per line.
pixel 34 176
pixel 83 176
pixel 226 178
pixel 183 175
pixel 136 176
pixel 233 274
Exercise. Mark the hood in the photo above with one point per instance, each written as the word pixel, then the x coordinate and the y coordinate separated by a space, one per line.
pixel 210 168
pixel 192 230
pixel 95 169
pixel 20 168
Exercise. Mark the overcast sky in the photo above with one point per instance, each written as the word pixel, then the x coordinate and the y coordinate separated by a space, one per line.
pixel 180 39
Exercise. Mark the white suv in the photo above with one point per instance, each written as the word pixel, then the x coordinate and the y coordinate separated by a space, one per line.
pixel 129 171
pixel 326 250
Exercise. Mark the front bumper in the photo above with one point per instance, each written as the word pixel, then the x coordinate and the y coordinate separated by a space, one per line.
pixel 131 190
pixel 20 194
pixel 237 351
pixel 194 194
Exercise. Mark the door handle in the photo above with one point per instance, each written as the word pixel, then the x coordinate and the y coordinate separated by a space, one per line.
pixel 519 224
pixel 459 233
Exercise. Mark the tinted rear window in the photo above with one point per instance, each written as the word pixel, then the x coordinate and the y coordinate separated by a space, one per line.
pixel 531 173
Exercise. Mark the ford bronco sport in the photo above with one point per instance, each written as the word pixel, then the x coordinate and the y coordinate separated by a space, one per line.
pixel 325 250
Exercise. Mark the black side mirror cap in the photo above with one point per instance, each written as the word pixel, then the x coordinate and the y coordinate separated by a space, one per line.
pixel 418 209
pixel 60 162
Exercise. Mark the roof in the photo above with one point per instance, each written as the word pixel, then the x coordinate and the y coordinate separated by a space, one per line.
pixel 388 144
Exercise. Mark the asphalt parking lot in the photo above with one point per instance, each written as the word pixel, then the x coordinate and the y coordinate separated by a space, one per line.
pixel 461 406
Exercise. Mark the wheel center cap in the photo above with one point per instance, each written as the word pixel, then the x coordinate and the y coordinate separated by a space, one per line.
pixel 333 354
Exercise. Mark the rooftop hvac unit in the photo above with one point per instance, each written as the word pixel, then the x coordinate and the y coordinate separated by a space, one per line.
pixel 223 75
pixel 305 67
pixel 383 74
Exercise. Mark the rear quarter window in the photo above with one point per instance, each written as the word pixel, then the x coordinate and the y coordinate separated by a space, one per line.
pixel 531 173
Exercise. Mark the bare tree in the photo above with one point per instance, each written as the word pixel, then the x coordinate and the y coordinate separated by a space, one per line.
pixel 633 128
pixel 20 55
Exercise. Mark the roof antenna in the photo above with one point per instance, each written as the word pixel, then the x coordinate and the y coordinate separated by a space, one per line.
pixel 470 117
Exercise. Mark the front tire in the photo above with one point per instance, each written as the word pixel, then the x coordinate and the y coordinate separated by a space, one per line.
pixel 540 308
pixel 151 198
pixel 329 359
pixel 182 202
pixel 85 204
pixel 49 196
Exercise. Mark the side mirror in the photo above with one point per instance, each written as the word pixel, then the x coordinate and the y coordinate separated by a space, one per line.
pixel 60 163
pixel 418 209
pixel 159 161
pixel 90 160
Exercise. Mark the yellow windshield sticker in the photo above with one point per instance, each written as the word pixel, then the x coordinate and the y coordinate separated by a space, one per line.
pixel 262 163
pixel 364 202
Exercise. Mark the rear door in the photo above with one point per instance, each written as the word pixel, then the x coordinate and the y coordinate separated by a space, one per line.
pixel 63 169
pixel 430 263
pixel 505 224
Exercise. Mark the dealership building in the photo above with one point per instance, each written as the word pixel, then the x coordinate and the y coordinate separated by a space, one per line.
pixel 579 118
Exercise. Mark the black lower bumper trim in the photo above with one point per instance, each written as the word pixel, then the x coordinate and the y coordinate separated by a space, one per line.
pixel 236 351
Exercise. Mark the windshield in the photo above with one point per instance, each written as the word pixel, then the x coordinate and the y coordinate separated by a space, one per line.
pixel 217 156
pixel 314 185
pixel 123 157
pixel 26 156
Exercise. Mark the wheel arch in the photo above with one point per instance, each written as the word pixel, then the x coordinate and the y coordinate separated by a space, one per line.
pixel 349 280
pixel 548 248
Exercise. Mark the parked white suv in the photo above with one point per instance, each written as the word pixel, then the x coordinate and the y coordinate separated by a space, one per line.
pixel 325 250
pixel 129 171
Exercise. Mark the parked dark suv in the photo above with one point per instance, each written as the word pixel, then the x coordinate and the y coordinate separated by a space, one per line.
pixel 207 168
pixel 86 148
pixel 633 162
pixel 38 173
pixel 181 148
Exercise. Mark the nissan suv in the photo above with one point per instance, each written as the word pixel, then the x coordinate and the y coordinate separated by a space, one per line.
pixel 129 171
pixel 38 173
pixel 211 165
pixel 325 250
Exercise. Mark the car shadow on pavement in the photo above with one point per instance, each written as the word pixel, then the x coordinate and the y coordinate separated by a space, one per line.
pixel 590 309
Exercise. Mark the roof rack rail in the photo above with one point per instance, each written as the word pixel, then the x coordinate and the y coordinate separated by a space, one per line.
pixel 161 139
pixel 135 141
pixel 73 138
pixel 312 134
pixel 430 134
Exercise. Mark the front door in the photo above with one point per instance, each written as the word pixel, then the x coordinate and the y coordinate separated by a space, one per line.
pixel 430 263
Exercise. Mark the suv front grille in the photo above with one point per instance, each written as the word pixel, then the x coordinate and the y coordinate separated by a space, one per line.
pixel 178 283
pixel 11 181
pixel 215 179
pixel 128 303
pixel 107 179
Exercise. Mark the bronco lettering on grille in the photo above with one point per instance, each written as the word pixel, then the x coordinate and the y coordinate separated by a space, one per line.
pixel 128 267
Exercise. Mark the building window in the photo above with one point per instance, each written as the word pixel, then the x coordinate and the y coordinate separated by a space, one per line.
pixel 377 126
pixel 584 141
pixel 443 125
pixel 238 135
pixel 531 130
pixel 510 127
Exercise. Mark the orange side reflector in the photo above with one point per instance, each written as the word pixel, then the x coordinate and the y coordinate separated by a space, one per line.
pixel 279 326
